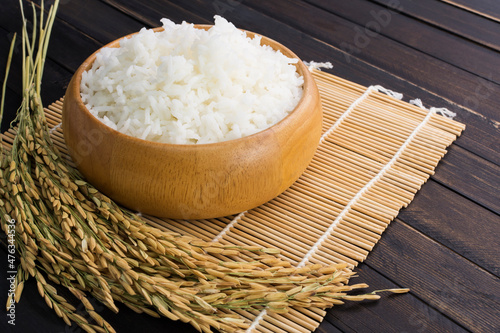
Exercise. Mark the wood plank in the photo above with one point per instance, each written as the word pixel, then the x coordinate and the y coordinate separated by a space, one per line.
pixel 394 74
pixel 392 313
pixel 68 46
pixel 448 282
pixel 150 12
pixel 453 19
pixel 486 8
pixel 417 67
pixel 96 19
pixel 471 176
pixel 482 141
pixel 55 77
pixel 426 38
pixel 457 223
pixel 327 327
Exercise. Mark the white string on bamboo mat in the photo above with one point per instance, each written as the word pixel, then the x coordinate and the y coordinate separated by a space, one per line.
pixel 53 129
pixel 347 208
pixel 328 132
pixel 358 195
pixel 442 111
pixel 313 65
pixel 355 103
pixel 229 226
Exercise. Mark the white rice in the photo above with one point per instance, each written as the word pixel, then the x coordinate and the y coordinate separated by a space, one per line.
pixel 185 85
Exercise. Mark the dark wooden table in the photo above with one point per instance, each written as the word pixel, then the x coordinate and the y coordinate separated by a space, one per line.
pixel 445 245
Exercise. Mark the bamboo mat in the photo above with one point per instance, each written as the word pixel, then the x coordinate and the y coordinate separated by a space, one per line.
pixel 374 155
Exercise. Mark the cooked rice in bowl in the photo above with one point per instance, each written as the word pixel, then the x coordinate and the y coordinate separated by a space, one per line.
pixel 185 85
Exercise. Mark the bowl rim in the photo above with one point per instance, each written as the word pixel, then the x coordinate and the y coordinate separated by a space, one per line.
pixel 307 86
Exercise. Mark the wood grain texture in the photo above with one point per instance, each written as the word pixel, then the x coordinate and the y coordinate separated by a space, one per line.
pixel 150 13
pixel 440 277
pixel 457 223
pixel 472 177
pixel 417 66
pixel 393 314
pixel 408 30
pixel 12 102
pixel 76 44
pixel 455 20
pixel 487 8
pixel 96 19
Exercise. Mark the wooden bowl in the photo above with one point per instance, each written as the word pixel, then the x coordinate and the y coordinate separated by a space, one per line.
pixel 193 181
